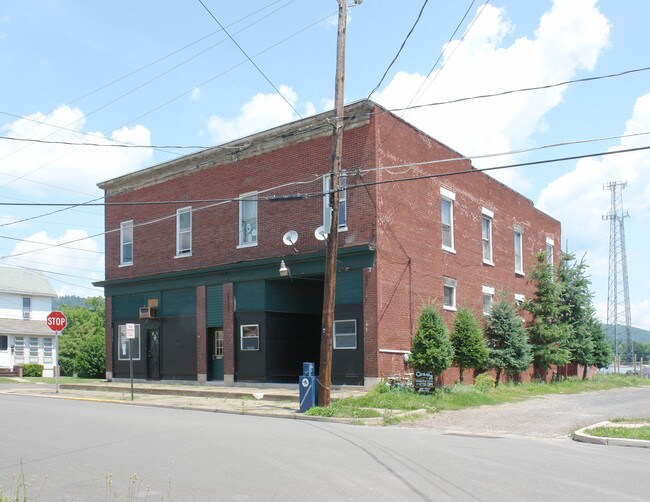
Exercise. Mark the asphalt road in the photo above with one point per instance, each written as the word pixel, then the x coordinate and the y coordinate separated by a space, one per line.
pixel 76 450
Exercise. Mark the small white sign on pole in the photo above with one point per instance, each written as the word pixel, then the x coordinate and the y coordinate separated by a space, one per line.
pixel 130 331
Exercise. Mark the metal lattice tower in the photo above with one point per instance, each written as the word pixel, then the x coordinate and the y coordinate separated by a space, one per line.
pixel 618 293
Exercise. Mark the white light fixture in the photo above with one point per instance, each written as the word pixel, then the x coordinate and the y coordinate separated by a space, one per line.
pixel 284 270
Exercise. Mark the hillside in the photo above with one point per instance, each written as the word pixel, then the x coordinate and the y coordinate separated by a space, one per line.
pixel 638 334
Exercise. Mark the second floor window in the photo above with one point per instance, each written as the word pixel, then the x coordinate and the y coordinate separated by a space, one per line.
pixel 248 219
pixel 343 202
pixel 519 257
pixel 126 243
pixel 486 235
pixel 184 231
pixel 27 307
pixel 550 244
pixel 447 218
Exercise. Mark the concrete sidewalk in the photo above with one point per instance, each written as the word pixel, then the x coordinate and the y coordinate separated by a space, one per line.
pixel 276 401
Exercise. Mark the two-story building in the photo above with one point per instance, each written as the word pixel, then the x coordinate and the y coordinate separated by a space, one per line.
pixel 25 300
pixel 217 257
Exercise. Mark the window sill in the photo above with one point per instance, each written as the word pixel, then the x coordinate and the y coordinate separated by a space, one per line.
pixel 452 309
pixel 488 262
pixel 247 245
pixel 520 273
pixel 184 255
pixel 449 250
pixel 344 348
pixel 129 264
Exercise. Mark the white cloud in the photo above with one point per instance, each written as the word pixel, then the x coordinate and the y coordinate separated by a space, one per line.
pixel 570 37
pixel 68 168
pixel 196 94
pixel 263 111
pixel 80 259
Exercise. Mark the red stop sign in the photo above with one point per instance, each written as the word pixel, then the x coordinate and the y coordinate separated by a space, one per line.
pixel 56 321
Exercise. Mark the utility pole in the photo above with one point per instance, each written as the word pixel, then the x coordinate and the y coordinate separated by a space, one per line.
pixel 327 330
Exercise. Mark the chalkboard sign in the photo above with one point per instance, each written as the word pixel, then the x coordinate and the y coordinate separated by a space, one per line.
pixel 423 381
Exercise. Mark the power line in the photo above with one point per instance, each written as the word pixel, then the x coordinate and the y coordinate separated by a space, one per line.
pixel 408 35
pixel 249 58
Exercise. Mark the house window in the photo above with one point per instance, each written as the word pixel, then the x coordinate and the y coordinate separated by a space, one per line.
pixel 184 231
pixel 345 334
pixel 47 350
pixel 519 299
pixel 447 218
pixel 19 350
pixel 248 219
pixel 27 308
pixel 486 223
pixel 126 243
pixel 33 349
pixel 519 257
pixel 343 203
pixel 550 245
pixel 488 299
pixel 449 293
pixel 4 343
pixel 250 337
pixel 125 344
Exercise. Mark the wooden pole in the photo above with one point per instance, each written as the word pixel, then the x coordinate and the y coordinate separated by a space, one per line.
pixel 325 368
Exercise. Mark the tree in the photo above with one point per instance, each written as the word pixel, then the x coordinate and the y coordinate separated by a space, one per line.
pixel 468 342
pixel 507 340
pixel 83 322
pixel 578 313
pixel 431 348
pixel 91 360
pixel 549 334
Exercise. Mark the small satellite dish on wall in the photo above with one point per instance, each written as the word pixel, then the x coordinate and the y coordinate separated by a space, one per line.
pixel 320 233
pixel 290 238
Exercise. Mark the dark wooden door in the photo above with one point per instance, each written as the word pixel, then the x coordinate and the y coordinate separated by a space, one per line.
pixel 153 354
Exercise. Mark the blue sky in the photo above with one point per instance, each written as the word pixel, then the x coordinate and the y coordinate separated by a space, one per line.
pixel 162 73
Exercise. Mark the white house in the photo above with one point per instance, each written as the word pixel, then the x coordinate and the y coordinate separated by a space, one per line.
pixel 25 300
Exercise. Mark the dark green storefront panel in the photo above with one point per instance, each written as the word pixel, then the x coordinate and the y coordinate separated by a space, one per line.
pixel 349 287
pixel 178 302
pixel 299 296
pixel 127 307
pixel 214 306
pixel 249 296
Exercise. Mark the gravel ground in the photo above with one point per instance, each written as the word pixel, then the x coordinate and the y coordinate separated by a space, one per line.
pixel 551 416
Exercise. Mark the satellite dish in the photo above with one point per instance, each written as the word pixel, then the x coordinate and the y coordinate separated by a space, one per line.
pixel 320 233
pixel 290 238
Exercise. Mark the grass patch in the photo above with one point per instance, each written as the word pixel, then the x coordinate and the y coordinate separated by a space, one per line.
pixel 642 432
pixel 643 420
pixel 63 379
pixel 465 396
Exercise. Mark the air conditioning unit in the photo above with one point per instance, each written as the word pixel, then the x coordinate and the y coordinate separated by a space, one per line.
pixel 148 312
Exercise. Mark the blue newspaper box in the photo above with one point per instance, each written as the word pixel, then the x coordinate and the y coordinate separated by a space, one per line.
pixel 307 384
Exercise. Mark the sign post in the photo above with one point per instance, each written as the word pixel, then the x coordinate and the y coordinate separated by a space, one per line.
pixel 57 322
pixel 130 336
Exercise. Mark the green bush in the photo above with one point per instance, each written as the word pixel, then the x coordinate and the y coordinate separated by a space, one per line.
pixel 91 359
pixel 484 382
pixel 33 370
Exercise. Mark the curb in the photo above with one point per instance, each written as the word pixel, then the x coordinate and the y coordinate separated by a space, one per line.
pixel 583 437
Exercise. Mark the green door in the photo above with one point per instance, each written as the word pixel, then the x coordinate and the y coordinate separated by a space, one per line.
pixel 217 355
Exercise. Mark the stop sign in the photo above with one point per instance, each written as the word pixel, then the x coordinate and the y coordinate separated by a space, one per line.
pixel 56 321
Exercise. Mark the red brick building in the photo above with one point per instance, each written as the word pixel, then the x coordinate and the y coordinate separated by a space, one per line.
pixel 194 247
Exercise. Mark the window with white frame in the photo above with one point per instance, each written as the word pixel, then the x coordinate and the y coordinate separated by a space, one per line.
pixel 184 231
pixel 449 293
pixel 250 337
pixel 519 299
pixel 550 246
pixel 488 299
pixel 519 255
pixel 343 202
pixel 33 349
pixel 486 234
pixel 47 350
pixel 345 334
pixel 4 343
pixel 19 350
pixel 27 307
pixel 248 219
pixel 126 243
pixel 125 344
pixel 447 218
